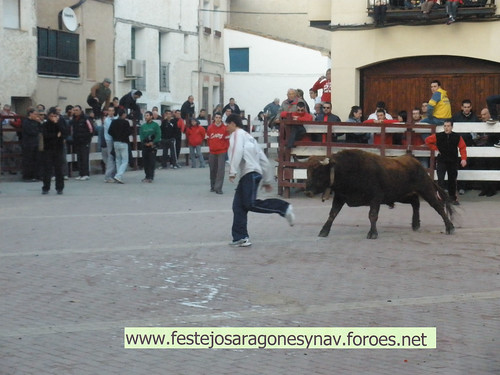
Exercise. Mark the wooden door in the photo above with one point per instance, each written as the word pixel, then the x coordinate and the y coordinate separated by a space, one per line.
pixel 404 84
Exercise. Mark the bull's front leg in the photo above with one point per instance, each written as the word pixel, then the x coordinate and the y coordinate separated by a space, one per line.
pixel 337 205
pixel 373 216
pixel 415 204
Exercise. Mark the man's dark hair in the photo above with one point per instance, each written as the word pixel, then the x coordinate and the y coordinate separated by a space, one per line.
pixel 150 113
pixel 138 93
pixel 30 111
pixel 236 119
pixel 301 105
pixel 381 105
pixel 436 81
pixel 121 112
pixel 52 111
pixel 217 114
pixel 466 101
pixel 380 110
pixel 68 108
pixel 450 121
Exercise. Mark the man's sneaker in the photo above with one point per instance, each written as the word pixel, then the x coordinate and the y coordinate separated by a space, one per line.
pixel 461 192
pixel 109 181
pixel 78 178
pixel 455 202
pixel 497 144
pixel 244 242
pixel 289 215
pixel 66 178
pixel 84 178
pixel 118 180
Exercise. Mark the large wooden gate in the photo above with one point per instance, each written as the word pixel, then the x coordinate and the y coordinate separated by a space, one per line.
pixel 405 83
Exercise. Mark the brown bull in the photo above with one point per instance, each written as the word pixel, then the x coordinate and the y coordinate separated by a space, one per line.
pixel 360 178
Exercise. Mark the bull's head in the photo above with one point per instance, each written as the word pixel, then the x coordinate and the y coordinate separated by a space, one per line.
pixel 320 176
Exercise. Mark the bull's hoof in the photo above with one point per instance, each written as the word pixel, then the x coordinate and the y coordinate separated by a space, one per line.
pixel 372 235
pixel 450 230
pixel 323 233
pixel 415 227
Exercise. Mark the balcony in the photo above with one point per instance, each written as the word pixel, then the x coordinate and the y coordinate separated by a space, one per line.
pixel 398 14
pixel 471 10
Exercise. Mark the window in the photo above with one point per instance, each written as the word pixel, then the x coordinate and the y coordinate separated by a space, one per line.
pixel 164 77
pixel 238 60
pixel 58 53
pixel 11 14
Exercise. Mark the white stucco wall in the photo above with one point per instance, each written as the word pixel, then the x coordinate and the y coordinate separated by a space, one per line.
pixel 274 68
pixel 18 58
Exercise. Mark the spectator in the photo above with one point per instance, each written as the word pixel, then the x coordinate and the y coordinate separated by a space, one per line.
pixel 439 108
pixel 150 135
pixel 381 119
pixel 108 153
pixel 451 10
pixel 53 132
pixel 168 141
pixel 187 109
pixel 427 7
pixel 324 83
pixel 9 138
pixel 218 143
pixel 355 116
pixel 272 109
pixel 380 105
pixel 119 131
pixel 180 127
pixel 492 101
pixel 31 130
pixel 129 103
pixel 379 12
pixel 82 131
pixel 416 115
pixel 447 143
pixel 289 105
pixel 326 116
pixel 100 95
pixel 424 109
pixel 297 132
pixel 202 118
pixel 234 107
pixel 195 135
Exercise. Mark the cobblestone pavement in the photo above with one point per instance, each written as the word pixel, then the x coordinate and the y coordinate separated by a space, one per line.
pixel 78 268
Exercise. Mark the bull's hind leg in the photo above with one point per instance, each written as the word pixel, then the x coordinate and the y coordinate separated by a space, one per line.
pixel 430 195
pixel 337 205
pixel 373 216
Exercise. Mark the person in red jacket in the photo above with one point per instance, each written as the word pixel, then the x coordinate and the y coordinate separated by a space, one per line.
pixel 377 139
pixel 218 143
pixel 195 135
pixel 297 132
pixel 324 83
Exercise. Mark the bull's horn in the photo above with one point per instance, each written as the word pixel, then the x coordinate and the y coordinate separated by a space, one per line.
pixel 325 161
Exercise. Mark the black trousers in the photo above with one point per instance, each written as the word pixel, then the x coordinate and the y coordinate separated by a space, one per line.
pixel 82 152
pixel 149 162
pixel 450 167
pixel 52 161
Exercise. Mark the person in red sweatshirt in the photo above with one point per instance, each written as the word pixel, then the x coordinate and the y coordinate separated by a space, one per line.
pixel 218 143
pixel 195 135
pixel 297 132
pixel 324 83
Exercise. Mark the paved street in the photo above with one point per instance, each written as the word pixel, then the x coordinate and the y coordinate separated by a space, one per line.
pixel 78 268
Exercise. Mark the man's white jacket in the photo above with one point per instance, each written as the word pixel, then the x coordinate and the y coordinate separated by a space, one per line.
pixel 246 155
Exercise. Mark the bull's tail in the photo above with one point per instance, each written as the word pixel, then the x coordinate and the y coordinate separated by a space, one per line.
pixel 443 197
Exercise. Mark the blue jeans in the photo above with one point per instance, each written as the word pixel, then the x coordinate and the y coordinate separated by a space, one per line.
pixel 245 200
pixel 193 151
pixel 121 156
pixel 110 161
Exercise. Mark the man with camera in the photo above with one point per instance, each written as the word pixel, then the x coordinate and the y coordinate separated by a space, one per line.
pixel 150 135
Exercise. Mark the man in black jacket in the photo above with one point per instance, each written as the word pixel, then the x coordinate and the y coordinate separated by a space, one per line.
pixel 82 131
pixel 187 109
pixel 53 132
pixel 129 102
pixel 120 131
pixel 30 132
pixel 168 134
